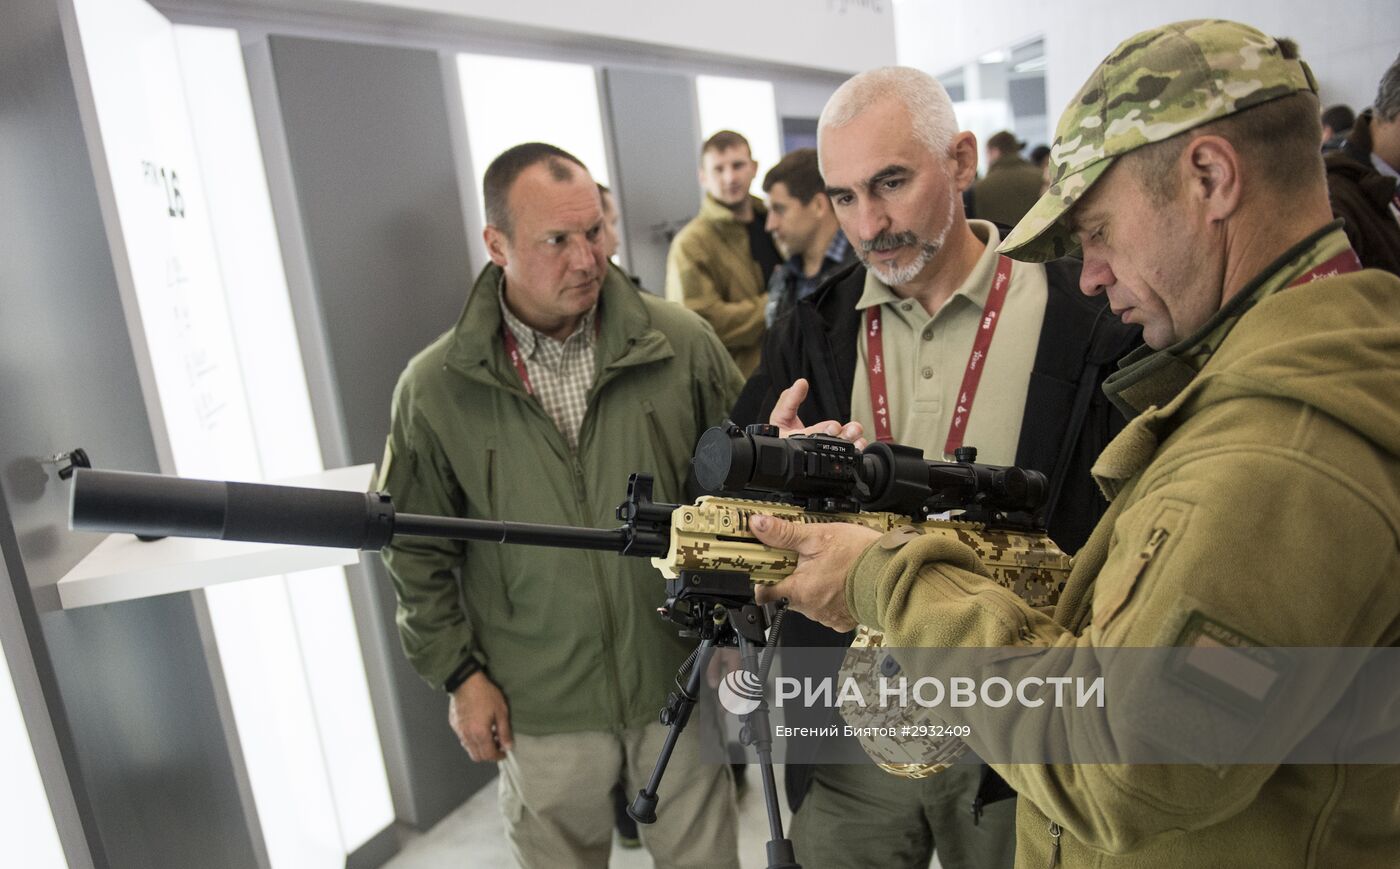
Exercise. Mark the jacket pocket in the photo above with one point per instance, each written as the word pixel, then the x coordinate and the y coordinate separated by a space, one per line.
pixel 664 454
pixel 491 480
pixel 488 477
pixel 1115 592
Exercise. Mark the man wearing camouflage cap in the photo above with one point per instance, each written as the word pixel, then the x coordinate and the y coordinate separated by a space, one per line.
pixel 1256 492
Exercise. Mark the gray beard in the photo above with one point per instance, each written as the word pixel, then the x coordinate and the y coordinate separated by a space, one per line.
pixel 928 249
pixel 897 275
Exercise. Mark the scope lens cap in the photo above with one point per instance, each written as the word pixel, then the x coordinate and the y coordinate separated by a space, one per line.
pixel 723 457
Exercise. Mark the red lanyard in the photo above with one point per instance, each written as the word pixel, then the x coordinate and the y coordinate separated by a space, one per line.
pixel 513 350
pixel 1344 262
pixel 976 361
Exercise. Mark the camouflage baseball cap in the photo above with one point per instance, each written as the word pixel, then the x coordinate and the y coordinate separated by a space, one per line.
pixel 1154 85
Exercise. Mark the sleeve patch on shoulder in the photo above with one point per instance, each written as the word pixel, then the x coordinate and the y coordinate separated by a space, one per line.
pixel 1226 665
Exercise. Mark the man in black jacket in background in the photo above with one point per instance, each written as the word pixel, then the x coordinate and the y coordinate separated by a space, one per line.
pixel 900 342
pixel 1363 178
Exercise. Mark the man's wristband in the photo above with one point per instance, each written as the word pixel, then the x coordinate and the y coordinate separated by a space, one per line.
pixel 470 666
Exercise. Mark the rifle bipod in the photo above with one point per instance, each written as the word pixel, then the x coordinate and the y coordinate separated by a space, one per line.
pixel 720 610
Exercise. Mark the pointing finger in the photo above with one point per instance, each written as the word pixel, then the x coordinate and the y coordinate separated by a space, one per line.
pixel 784 413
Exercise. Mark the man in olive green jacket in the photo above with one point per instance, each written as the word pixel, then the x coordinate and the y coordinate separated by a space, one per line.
pixel 558 381
pixel 720 262
pixel 1011 185
pixel 1255 496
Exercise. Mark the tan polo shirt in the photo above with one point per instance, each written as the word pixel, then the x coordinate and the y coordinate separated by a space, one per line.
pixel 926 356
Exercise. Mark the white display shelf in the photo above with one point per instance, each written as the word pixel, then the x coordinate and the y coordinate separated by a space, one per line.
pixel 124 568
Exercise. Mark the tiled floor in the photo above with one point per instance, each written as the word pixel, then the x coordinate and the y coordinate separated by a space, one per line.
pixel 472 837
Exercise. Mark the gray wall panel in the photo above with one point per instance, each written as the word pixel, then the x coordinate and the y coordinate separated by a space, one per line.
pixel 29 689
pixel 802 98
pixel 126 687
pixel 371 156
pixel 148 734
pixel 370 153
pixel 656 146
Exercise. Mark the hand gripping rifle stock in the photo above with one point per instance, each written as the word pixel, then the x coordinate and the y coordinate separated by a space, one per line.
pixel 712 536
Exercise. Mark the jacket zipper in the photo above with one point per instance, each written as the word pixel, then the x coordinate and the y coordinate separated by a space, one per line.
pixel 605 611
pixel 1155 541
pixel 599 583
pixel 1054 846
pixel 575 465
pixel 1149 552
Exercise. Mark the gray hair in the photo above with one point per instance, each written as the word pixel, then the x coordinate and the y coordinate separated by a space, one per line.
pixel 930 110
pixel 1387 105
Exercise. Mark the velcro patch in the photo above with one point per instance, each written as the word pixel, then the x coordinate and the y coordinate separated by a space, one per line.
pixel 899 536
pixel 1227 666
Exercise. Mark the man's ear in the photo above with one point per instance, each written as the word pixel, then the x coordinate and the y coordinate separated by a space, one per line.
pixel 497 245
pixel 1213 168
pixel 963 153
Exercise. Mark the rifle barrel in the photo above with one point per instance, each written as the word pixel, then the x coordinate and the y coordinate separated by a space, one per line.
pixel 154 505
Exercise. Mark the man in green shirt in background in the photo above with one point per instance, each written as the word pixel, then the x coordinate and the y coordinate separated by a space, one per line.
pixel 1012 183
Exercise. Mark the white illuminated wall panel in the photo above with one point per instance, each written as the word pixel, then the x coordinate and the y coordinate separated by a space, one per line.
pixel 746 106
pixel 212 314
pixel 322 624
pixel 550 102
pixel 28 836
pixel 245 240
pixel 166 239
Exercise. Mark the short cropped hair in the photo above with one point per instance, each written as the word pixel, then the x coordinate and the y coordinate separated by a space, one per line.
pixel 1278 139
pixel 930 110
pixel 508 166
pixel 723 141
pixel 799 173
pixel 1340 118
pixel 1387 104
